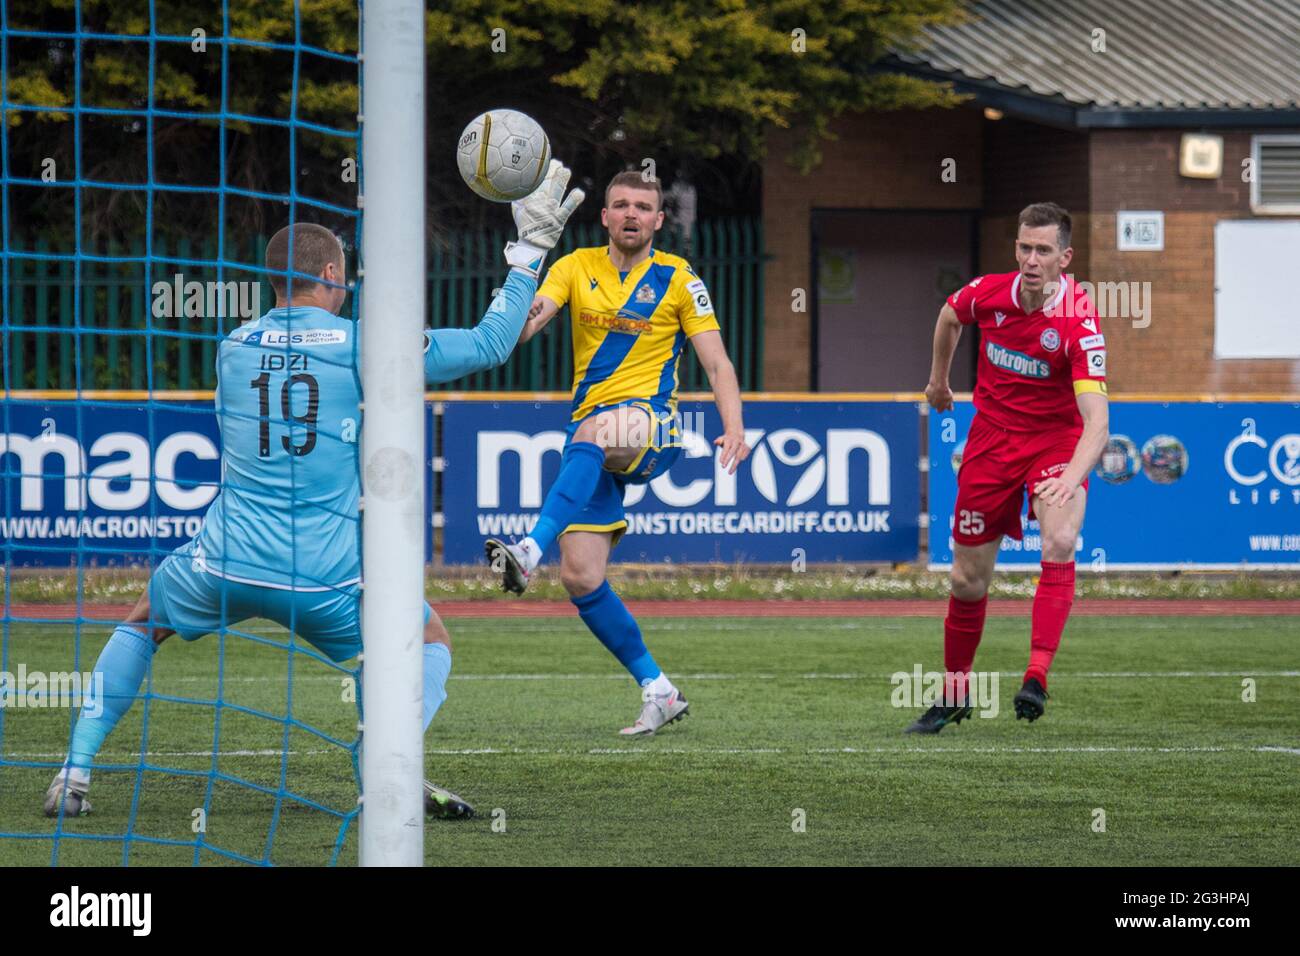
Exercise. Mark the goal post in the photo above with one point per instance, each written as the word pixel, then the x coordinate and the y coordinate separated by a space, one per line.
pixel 391 276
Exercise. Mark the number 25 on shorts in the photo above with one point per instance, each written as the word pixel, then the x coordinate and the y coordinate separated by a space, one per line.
pixel 972 522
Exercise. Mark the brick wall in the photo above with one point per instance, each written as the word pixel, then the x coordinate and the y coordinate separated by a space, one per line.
pixel 880 161
pixel 893 161
pixel 1138 169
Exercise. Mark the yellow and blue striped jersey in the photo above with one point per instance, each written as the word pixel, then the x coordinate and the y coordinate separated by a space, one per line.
pixel 628 333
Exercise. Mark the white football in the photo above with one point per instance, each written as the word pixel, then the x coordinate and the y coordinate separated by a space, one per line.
pixel 503 155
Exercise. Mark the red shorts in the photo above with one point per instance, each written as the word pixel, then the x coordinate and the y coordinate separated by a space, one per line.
pixel 996 468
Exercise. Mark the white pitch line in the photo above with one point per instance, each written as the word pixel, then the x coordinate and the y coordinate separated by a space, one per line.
pixel 1080 675
pixel 249 679
pixel 1041 750
pixel 829 751
pixel 562 626
pixel 708 751
pixel 175 753
pixel 1088 675
pixel 1141 674
pixel 701 751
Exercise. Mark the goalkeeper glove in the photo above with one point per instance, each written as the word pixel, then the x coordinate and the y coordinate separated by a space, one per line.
pixel 540 217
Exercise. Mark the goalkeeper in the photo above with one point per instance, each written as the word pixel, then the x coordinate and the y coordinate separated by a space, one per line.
pixel 281 539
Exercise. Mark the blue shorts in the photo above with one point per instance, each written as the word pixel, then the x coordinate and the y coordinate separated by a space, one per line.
pixel 193 603
pixel 604 513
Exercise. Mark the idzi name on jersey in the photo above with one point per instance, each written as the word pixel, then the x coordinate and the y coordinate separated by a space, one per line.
pixel 273 337
pixel 1017 362
pixel 284 362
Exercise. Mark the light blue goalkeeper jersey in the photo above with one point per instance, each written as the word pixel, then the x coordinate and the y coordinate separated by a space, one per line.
pixel 288 405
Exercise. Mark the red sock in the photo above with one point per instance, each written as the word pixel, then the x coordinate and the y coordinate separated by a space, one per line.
pixel 962 629
pixel 1052 603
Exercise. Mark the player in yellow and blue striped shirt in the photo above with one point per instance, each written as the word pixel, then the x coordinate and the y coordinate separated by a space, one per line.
pixel 634 308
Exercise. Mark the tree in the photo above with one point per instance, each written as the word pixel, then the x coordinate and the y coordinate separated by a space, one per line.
pixel 187 78
pixel 693 86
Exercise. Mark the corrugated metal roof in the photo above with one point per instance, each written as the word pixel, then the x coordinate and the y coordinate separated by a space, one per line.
pixel 1159 54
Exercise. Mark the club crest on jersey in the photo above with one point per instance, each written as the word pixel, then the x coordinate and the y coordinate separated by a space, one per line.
pixel 1017 362
pixel 645 294
pixel 1050 340
pixel 999 318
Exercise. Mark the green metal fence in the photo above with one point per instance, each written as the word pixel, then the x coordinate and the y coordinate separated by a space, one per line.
pixel 119 338
pixel 727 254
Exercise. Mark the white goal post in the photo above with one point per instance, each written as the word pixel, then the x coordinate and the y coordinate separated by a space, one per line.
pixel 391 274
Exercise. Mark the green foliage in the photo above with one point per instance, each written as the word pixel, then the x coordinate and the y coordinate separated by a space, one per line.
pixel 187 76
pixel 36 90
pixel 694 85
pixel 690 80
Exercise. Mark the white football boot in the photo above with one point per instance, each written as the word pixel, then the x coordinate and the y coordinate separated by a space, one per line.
pixel 511 562
pixel 657 711
pixel 76 804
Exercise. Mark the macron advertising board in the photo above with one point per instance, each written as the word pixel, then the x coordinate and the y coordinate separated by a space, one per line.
pixel 825 481
pixel 104 482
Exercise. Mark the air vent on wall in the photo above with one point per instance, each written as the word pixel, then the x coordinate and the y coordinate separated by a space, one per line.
pixel 1276 184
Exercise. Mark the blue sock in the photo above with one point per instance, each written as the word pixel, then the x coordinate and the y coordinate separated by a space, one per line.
pixel 609 619
pixel 121 667
pixel 437 665
pixel 579 472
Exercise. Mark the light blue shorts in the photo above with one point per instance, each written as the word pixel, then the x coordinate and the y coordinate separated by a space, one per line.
pixel 194 603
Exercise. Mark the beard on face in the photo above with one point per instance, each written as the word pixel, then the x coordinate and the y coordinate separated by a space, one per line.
pixel 631 242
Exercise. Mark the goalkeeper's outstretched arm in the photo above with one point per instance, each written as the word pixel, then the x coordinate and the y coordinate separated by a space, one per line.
pixel 540 217
pixel 451 353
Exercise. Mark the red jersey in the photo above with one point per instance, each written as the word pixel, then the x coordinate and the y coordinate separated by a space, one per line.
pixel 1033 364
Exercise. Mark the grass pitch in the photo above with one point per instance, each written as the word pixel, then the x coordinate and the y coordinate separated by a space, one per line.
pixel 791 721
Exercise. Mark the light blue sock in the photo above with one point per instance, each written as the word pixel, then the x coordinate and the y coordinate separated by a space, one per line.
pixel 579 474
pixel 121 667
pixel 437 665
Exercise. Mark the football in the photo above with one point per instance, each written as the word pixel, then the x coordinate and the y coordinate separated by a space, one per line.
pixel 503 155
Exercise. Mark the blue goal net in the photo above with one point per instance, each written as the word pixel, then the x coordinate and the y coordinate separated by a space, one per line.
pixel 150 151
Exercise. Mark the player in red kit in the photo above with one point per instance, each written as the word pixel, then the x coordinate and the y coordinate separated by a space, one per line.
pixel 1041 422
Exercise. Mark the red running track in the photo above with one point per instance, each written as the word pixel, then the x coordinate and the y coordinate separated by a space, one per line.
pixel 1093 607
